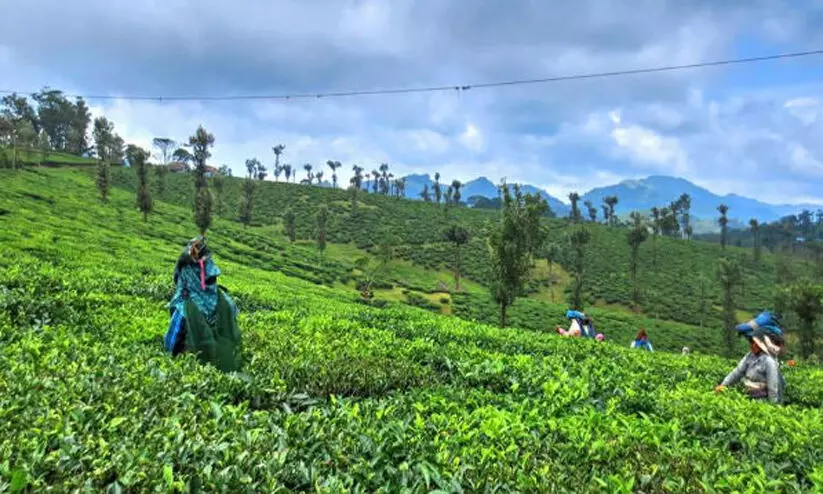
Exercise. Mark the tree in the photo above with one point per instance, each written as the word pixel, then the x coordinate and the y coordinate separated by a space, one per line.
pixel 356 182
pixel 574 214
pixel 638 234
pixel 165 149
pixel 755 228
pixel 247 202
pixel 218 182
pixel 77 141
pixel 458 237
pixel 334 165
pixel 438 192
pixel 804 299
pixel 729 276
pixel 262 173
pixel 449 194
pixel 278 151
pixel 376 181
pixel 552 250
pixel 509 243
pixel 183 156
pixel 137 158
pixel 591 210
pixel 322 219
pixel 287 170
pixel 724 222
pixel 611 202
pixel 319 177
pixel 309 176
pixel 578 239
pixel 160 172
pixel 224 171
pixel 425 193
pixel 384 180
pixel 201 143
pixel 456 185
pixel 103 135
pixel 288 224
pixel 685 202
pixel 18 125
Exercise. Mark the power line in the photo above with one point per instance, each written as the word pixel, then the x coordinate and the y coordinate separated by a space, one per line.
pixel 459 87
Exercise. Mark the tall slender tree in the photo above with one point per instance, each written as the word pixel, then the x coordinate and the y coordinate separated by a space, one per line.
pixel 755 228
pixel 322 218
pixel 289 227
pixel 578 239
pixel 611 202
pixel 509 245
pixel 638 234
pixel 309 176
pixel 201 143
pixel 458 236
pixel 685 215
pixel 729 276
pixel 375 185
pixel 137 158
pixel 287 171
pixel 247 202
pixel 724 224
pixel 574 214
pixel 456 185
pixel 438 192
pixel 334 165
pixel 591 210
pixel 278 151
pixel 104 139
pixel 165 148
pixel 424 194
pixel 319 177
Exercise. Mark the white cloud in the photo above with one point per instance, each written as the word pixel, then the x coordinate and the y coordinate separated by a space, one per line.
pixel 472 138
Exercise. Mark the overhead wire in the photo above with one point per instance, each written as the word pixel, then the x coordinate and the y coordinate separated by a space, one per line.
pixel 458 87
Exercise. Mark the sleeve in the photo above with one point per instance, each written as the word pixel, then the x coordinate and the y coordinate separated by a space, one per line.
pixel 633 345
pixel 738 372
pixel 651 349
pixel 773 380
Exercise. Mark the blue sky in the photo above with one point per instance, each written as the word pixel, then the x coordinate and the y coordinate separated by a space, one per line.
pixel 754 130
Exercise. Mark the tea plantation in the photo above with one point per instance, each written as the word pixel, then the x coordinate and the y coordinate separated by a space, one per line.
pixel 677 278
pixel 336 396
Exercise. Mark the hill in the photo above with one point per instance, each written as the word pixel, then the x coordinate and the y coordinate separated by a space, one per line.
pixel 335 395
pixel 659 191
pixel 42 158
pixel 677 278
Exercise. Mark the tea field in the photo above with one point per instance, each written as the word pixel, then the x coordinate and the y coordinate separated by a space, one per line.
pixel 677 278
pixel 337 396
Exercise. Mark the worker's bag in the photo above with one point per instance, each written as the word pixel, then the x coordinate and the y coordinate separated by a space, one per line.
pixel 218 344
pixel 765 320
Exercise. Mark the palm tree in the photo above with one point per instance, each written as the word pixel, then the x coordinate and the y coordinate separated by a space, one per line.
pixel 458 237
pixel 309 175
pixel 424 194
pixel 357 179
pixel 724 223
pixel 277 171
pixel 334 165
pixel 278 150
pixel 319 177
pixel 438 192
pixel 287 170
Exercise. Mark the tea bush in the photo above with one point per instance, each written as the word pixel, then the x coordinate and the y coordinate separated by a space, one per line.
pixel 336 396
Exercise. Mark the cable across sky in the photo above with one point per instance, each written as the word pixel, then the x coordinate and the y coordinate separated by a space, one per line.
pixel 457 87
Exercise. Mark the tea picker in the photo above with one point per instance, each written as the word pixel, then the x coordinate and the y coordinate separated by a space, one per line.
pixel 203 315
pixel 759 370
pixel 642 342
pixel 581 325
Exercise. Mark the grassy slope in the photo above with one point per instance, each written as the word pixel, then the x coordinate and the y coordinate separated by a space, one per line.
pixel 421 401
pixel 33 157
pixel 671 273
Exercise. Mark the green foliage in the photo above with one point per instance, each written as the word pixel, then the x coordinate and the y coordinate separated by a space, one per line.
pixel 201 143
pixel 337 396
pixel 103 179
pixel 637 234
pixel 137 159
pixel 730 277
pixel 804 299
pixel 458 236
pixel 289 222
pixel 322 227
pixel 511 245
pixel 578 238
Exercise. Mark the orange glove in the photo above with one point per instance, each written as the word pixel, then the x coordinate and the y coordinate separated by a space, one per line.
pixel 719 388
pixel 791 363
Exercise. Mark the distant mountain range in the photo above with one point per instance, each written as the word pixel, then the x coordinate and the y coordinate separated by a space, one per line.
pixel 636 195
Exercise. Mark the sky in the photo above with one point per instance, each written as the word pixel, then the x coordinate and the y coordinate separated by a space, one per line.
pixel 754 130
